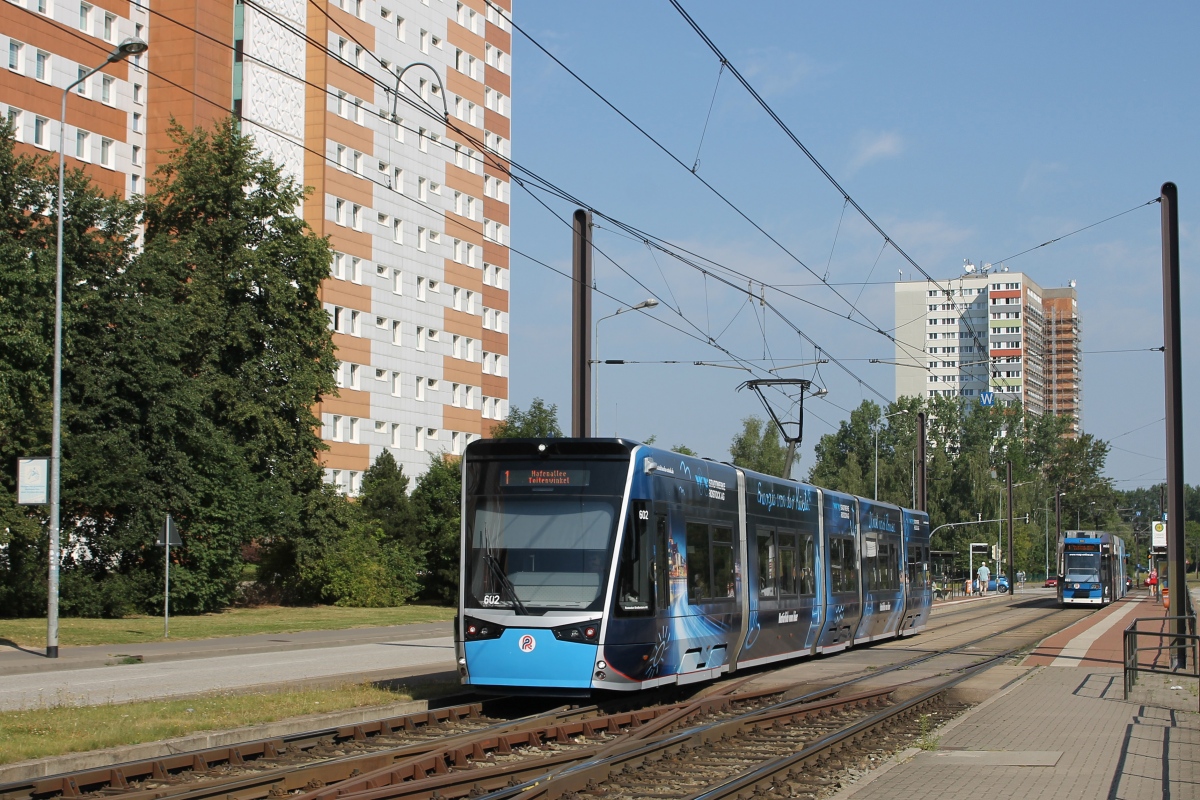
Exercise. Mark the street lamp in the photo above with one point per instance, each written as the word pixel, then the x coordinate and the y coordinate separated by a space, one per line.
pixel 129 47
pixel 649 302
pixel 885 416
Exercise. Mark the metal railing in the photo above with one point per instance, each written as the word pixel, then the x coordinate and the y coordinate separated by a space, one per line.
pixel 1164 641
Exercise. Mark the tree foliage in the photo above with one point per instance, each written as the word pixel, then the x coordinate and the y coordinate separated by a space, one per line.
pixel 190 369
pixel 968 450
pixel 758 447
pixel 436 508
pixel 539 422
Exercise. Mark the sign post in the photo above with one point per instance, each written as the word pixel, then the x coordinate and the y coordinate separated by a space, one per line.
pixel 169 535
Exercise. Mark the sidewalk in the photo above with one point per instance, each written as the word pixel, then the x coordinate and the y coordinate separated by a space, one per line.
pixel 16 660
pixel 110 674
pixel 1061 728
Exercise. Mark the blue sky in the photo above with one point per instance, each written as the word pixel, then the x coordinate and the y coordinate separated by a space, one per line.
pixel 965 131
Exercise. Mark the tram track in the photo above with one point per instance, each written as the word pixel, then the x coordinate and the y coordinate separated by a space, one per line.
pixel 424 755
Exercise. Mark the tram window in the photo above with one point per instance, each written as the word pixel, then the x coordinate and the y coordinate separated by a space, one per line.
pixel 722 560
pixel 842 564
pixel 767 563
pixel 662 562
pixel 697 562
pixel 806 581
pixel 635 584
pixel 787 562
pixel 883 570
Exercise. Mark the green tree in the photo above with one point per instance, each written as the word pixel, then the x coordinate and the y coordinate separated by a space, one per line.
pixel 539 422
pixel 437 508
pixel 758 447
pixel 98 245
pixel 385 502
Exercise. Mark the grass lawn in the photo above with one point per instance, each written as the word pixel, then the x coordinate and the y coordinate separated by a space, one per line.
pixel 70 729
pixel 234 622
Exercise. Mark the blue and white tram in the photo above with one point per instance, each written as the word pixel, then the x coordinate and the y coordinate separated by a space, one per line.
pixel 1091 568
pixel 601 564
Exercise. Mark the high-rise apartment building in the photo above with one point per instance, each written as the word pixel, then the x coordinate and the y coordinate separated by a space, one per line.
pixel 395 112
pixel 994 332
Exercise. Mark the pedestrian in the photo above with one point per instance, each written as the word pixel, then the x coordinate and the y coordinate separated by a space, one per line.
pixel 984 574
pixel 1152 582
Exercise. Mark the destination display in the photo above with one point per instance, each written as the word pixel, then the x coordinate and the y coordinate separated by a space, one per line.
pixel 546 477
pixel 1072 547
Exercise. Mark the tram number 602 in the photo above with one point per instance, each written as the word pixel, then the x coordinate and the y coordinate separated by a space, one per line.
pixel 491 599
pixel 643 514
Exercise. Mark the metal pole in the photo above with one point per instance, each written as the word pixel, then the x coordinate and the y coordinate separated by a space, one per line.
pixel 1172 341
pixel 921 499
pixel 167 583
pixel 126 48
pixel 56 414
pixel 581 351
pixel 1012 574
pixel 1046 555
pixel 876 462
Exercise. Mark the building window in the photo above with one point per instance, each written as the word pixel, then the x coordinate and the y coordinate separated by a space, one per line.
pixel 85 16
pixel 335 426
pixel 110 28
pixel 137 122
pixel 354 426
pixel 106 152
pixel 41 69
pixel 395 434
pixel 15 53
pixel 420 440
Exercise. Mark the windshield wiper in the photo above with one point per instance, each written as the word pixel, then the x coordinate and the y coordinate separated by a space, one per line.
pixel 498 573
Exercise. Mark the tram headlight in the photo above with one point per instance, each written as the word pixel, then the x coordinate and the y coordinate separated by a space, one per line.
pixel 582 632
pixel 601 665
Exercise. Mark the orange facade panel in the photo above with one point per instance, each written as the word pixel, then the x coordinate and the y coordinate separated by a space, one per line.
pixel 194 82
pixel 463 228
pixel 495 342
pixel 497 123
pixel 349 186
pixel 346 455
pixel 1004 293
pixel 462 419
pixel 346 293
pixel 495 386
pixel 495 254
pixel 43 100
pixel 496 37
pixel 496 210
pixel 350 27
pixel 352 348
pixel 461 85
pixel 495 298
pixel 344 238
pixel 349 80
pixel 461 371
pixel 464 38
pixel 464 276
pixel 498 80
pixel 461 323
pixel 464 180
pixel 349 402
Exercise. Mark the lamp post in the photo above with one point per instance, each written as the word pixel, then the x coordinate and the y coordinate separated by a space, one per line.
pixel 128 47
pixel 885 416
pixel 649 302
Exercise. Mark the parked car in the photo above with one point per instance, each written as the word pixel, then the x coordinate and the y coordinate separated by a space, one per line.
pixel 1051 582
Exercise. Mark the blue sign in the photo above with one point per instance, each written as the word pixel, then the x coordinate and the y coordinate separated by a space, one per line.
pixel 987 398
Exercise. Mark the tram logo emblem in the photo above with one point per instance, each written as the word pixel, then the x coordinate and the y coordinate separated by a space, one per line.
pixel 527 643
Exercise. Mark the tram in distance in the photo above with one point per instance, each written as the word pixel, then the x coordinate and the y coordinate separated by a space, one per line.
pixel 1091 568
pixel 606 564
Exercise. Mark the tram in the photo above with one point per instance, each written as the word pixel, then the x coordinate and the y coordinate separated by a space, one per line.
pixel 1091 568
pixel 606 564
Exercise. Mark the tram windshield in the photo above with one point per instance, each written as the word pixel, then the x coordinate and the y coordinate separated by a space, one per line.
pixel 540 536
pixel 1083 567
